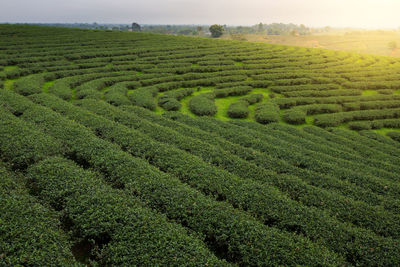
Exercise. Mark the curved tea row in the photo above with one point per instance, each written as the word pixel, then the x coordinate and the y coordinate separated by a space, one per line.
pixel 99 136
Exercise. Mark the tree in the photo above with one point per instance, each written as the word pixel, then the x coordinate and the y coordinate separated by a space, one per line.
pixel 260 28
pixel 216 30
pixel 136 27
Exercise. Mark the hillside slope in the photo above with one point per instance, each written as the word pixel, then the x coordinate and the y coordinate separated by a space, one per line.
pixel 99 136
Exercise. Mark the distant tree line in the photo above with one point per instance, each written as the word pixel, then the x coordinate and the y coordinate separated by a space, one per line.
pixel 216 30
pixel 270 29
pixel 177 29
pixel 264 29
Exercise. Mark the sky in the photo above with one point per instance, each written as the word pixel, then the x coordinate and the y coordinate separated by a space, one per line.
pixel 315 13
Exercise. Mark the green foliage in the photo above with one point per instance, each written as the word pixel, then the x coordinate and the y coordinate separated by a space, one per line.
pixel 170 100
pixel 233 91
pixel 360 125
pixel 29 85
pixel 239 137
pixel 143 98
pixel 88 93
pixel 238 109
pixel 30 232
pixel 295 116
pixel 22 144
pixel 202 105
pixel 169 104
pixel 334 119
pixel 124 169
pixel 394 135
pixel 209 150
pixel 116 99
pixel 216 30
pixel 266 113
pixel 136 27
pixel 123 231
pixel 90 172
pixel 253 98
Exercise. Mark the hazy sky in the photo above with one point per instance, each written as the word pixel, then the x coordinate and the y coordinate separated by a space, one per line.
pixel 341 13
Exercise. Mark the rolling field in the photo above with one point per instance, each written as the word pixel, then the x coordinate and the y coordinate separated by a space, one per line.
pixel 121 149
pixel 364 41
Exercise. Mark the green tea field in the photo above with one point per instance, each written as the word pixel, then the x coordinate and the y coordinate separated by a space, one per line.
pixel 137 149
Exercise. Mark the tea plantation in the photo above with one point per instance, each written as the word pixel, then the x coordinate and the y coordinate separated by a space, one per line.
pixel 124 149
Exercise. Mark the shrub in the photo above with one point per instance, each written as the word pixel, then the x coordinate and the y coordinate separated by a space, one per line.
pixel 30 232
pixel 202 105
pixel 351 106
pixel 143 98
pixel 208 150
pixel 323 93
pixel 360 125
pixel 22 143
pixel 266 113
pixel 320 108
pixel 335 119
pixel 385 123
pixel 329 120
pixel 260 84
pixel 185 204
pixel 116 99
pixel 238 109
pixel 88 94
pixel 252 98
pixel 394 135
pixel 295 116
pixel 385 91
pixel 179 94
pixel 169 104
pixel 122 230
pixel 61 91
pixel 234 91
pixel 29 85
pixel 170 100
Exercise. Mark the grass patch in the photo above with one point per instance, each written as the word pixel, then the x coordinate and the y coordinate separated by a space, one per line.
pixel 104 89
pixel 264 91
pixel 251 113
pixel 384 131
pixel 9 84
pixel 185 106
pixel 223 105
pixel 159 110
pixel 369 92
pixel 9 68
pixel 309 120
pixel 47 85
pixel 185 101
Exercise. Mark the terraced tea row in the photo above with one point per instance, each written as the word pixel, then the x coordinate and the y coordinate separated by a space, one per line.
pixel 100 135
pixel 304 83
